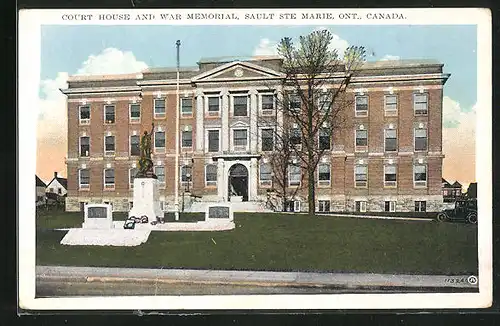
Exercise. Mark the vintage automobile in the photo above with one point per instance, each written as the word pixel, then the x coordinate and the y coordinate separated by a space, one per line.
pixel 465 210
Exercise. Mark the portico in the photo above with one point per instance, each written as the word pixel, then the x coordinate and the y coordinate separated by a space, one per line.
pixel 237 177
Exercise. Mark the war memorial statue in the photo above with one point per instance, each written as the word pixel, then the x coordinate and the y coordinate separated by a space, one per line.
pixel 145 162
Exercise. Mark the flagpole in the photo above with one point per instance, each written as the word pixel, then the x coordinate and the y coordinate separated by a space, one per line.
pixel 178 44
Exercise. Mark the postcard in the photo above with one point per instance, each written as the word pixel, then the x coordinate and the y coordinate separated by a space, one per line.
pixel 254 159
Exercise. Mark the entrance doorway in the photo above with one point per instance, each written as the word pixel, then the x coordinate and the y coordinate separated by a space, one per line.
pixel 238 182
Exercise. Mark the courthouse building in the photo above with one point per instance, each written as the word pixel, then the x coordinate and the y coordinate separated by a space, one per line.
pixel 389 158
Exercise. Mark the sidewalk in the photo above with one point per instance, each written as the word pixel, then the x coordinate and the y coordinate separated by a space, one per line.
pixel 254 278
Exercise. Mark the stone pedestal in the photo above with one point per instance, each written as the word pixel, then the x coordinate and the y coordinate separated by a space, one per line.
pixel 146 199
pixel 98 216
pixel 219 213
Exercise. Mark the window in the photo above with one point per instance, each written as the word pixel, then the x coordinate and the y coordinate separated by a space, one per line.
pixel 109 179
pixel 324 205
pixel 324 174
pixel 390 206
pixel 84 178
pixel 109 145
pixel 294 175
pixel 213 105
pixel 267 140
pixel 135 112
pixel 265 174
pixel 211 175
pixel 160 174
pixel 360 206
pixel 186 173
pixel 159 108
pixel 213 140
pixel 186 106
pixel 420 104
pixel 131 176
pixel 391 141
pixel 240 106
pixel 361 140
pixel 187 138
pixel 420 139
pixel 324 139
pixel 420 206
pixel 84 115
pixel 134 146
pixel 361 176
pixel 109 114
pixel 295 138
pixel 84 146
pixel 391 105
pixel 295 102
pixel 292 206
pixel 240 139
pixel 420 175
pixel 267 104
pixel 324 103
pixel 390 176
pixel 159 141
pixel 51 190
pixel 361 109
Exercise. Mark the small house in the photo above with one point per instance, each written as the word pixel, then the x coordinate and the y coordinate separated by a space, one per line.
pixel 40 191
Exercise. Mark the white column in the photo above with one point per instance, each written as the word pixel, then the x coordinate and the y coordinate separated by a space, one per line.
pixel 253 121
pixel 254 170
pixel 221 182
pixel 200 109
pixel 225 120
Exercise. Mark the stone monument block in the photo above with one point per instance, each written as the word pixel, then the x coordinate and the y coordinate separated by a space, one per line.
pixel 98 216
pixel 146 199
pixel 219 213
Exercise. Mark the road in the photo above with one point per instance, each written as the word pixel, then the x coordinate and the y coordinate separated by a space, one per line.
pixel 63 288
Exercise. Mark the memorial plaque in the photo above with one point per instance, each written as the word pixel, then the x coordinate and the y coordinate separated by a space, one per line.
pixel 218 212
pixel 97 212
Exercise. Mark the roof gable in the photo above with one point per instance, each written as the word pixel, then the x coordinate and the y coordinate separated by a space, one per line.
pixel 237 70
pixel 39 182
pixel 62 181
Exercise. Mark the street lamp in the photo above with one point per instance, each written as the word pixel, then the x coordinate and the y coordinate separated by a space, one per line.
pixel 188 180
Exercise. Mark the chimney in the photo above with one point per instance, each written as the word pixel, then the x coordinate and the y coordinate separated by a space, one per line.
pixel 55 174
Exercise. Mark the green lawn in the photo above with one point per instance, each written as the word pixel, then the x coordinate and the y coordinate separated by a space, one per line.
pixel 285 242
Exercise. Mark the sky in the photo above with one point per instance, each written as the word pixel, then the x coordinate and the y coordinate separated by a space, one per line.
pixel 68 50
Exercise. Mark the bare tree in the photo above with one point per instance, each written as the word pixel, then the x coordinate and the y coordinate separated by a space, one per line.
pixel 281 160
pixel 311 102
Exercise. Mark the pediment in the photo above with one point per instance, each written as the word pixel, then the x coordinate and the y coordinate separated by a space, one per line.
pixel 239 124
pixel 234 71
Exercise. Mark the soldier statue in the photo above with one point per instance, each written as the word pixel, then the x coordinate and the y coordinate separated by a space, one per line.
pixel 145 161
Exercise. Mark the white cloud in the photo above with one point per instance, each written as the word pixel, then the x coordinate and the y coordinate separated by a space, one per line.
pixel 52 114
pixel 459 141
pixel 111 61
pixel 266 48
pixel 389 57
pixel 337 42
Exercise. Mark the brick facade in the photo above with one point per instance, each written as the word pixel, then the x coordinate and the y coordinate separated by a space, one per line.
pixel 404 81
